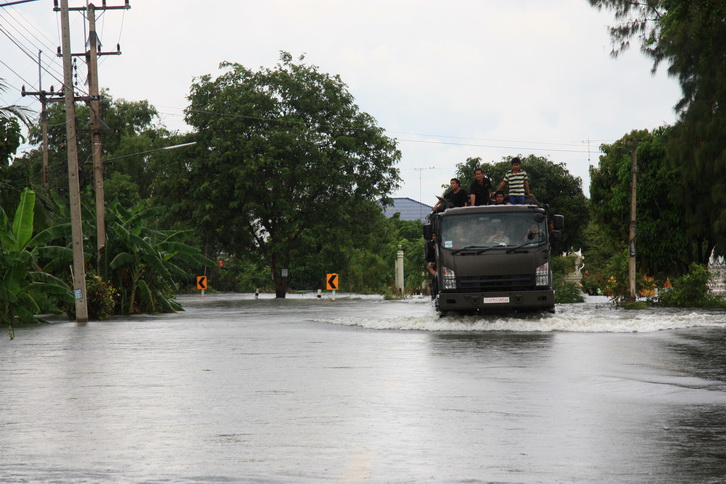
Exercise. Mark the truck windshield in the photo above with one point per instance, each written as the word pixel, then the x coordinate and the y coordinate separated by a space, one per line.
pixel 484 231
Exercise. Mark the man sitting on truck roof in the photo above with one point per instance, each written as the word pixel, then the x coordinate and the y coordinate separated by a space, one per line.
pixel 499 198
pixel 456 196
pixel 480 190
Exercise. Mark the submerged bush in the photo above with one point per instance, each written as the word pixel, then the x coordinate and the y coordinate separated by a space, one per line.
pixel 691 290
pixel 567 291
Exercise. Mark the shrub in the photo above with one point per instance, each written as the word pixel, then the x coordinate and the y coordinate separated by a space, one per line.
pixel 102 298
pixel 691 290
pixel 566 291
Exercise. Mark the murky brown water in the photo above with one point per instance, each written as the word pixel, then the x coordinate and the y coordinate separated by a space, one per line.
pixel 363 390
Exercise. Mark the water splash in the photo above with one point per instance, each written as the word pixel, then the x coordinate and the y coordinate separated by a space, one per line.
pixel 597 315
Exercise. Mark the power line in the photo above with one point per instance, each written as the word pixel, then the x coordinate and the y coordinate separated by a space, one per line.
pixel 513 148
pixel 17 2
pixel 13 21
pixel 12 27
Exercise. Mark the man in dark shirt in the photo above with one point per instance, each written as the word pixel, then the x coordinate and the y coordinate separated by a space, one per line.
pixel 480 190
pixel 455 196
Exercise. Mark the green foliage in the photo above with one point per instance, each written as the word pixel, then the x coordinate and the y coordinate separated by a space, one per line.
pixel 691 290
pixel 10 139
pixel 12 112
pixel 130 134
pixel 24 291
pixel 144 263
pixel 409 235
pixel 283 155
pixel 565 291
pixel 563 264
pixel 665 246
pixel 367 273
pixel 551 184
pixel 689 37
pixel 102 298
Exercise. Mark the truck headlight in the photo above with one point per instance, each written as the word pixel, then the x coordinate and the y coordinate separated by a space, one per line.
pixel 542 275
pixel 449 278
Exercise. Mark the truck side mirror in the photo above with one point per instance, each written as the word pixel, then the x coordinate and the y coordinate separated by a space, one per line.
pixel 559 221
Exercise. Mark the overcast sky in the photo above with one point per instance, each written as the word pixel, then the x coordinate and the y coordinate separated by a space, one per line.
pixel 448 80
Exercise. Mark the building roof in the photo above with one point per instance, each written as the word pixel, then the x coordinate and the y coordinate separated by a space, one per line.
pixel 409 209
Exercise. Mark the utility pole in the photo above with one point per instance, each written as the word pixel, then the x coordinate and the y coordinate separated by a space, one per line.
pixel 94 102
pixel 44 100
pixel 633 232
pixel 96 147
pixel 79 270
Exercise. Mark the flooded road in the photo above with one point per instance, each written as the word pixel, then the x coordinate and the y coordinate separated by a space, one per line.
pixel 365 390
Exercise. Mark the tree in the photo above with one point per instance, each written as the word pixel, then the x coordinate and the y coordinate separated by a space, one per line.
pixel 664 246
pixel 131 132
pixel 10 139
pixel 12 112
pixel 691 38
pixel 24 291
pixel 279 151
pixel 147 263
pixel 551 183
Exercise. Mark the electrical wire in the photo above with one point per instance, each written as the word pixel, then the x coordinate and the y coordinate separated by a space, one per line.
pixel 53 68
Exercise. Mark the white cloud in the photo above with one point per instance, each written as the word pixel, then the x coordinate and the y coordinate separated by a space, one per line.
pixel 450 80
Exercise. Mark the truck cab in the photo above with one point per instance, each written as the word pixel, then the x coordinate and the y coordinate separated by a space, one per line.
pixel 493 258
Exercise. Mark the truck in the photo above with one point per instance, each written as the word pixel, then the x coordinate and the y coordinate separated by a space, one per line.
pixel 492 258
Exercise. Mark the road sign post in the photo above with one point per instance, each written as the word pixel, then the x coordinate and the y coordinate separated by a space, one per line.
pixel 202 283
pixel 332 283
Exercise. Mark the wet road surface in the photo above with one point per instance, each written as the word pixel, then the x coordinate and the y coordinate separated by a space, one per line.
pixel 364 390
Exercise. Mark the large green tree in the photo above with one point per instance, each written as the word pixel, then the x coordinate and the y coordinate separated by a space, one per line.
pixel 281 152
pixel 690 38
pixel 551 184
pixel 664 245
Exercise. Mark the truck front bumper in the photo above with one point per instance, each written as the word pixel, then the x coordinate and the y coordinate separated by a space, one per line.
pixel 497 302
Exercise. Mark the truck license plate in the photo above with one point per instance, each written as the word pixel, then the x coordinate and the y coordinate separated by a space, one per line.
pixel 496 300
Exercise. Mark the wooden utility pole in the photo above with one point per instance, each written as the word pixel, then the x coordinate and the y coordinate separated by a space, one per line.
pixel 44 100
pixel 94 101
pixel 43 123
pixel 79 270
pixel 96 147
pixel 633 232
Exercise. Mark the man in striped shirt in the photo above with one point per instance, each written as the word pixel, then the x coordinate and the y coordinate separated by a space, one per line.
pixel 518 183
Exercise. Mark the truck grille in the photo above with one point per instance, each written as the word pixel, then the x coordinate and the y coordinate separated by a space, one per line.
pixel 516 282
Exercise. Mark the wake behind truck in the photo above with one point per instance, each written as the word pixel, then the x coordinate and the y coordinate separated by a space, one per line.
pixel 492 258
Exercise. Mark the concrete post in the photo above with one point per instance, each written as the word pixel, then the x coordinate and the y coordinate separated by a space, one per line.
pixel 399 271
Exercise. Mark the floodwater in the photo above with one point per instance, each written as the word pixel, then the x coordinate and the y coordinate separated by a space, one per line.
pixel 358 389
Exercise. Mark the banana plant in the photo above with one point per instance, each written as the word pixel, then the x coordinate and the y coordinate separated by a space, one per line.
pixel 25 291
pixel 146 263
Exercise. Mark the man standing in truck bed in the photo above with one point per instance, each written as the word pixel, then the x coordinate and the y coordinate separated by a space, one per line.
pixel 518 183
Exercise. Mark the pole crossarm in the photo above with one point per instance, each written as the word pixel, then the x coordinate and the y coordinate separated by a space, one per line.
pixel 103 6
